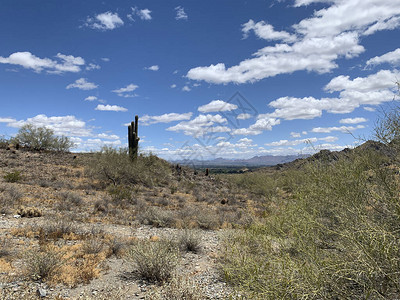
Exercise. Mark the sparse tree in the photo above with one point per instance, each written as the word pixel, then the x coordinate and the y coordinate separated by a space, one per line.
pixel 42 138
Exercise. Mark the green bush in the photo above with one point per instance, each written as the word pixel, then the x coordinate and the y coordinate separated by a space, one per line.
pixel 335 237
pixel 154 261
pixel 42 264
pixel 114 166
pixel 13 176
pixel 42 138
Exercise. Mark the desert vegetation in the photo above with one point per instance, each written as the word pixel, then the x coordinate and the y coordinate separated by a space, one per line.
pixel 112 225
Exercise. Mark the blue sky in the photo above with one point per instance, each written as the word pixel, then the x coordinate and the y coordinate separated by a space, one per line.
pixel 207 78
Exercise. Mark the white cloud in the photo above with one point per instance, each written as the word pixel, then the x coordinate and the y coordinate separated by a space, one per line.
pixel 180 13
pixel 388 24
pixel 92 67
pixel 153 68
pixel 344 129
pixel 108 136
pixel 308 2
pixel 66 63
pixel 90 98
pixel 295 134
pixel 201 125
pixel 125 91
pixel 392 57
pixel 329 34
pixel 82 84
pixel 266 31
pixel 262 124
pixel 374 89
pixel 63 125
pixel 244 116
pixel 110 108
pixel 186 89
pixel 313 140
pixel 165 118
pixel 106 59
pixel 352 120
pixel 173 86
pixel 143 14
pixel 370 108
pixel 7 120
pixel 104 21
pixel 217 105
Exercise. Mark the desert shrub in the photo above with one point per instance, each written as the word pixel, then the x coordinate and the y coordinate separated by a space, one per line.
pixel 42 138
pixel 5 248
pixel 154 261
pixel 56 230
pixel 116 167
pixel 71 197
pixel 178 288
pixel 157 217
pixel 3 142
pixel 207 219
pixel 336 236
pixel 93 246
pixel 13 176
pixel 117 247
pixel 40 265
pixel 189 241
pixel 29 212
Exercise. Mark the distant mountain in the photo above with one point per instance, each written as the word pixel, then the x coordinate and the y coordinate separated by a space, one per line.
pixel 256 161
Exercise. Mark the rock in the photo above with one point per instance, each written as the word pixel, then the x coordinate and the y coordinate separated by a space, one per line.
pixel 41 292
pixel 17 216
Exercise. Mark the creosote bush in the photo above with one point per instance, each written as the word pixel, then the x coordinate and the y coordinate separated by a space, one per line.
pixel 42 264
pixel 335 236
pixel 114 166
pixel 154 261
pixel 13 176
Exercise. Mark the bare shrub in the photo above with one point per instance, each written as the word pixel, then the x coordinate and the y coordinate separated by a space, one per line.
pixel 42 264
pixel 157 217
pixel 190 241
pixel 179 288
pixel 93 246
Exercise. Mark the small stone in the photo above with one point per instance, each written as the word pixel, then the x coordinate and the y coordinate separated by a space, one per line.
pixel 41 292
pixel 17 216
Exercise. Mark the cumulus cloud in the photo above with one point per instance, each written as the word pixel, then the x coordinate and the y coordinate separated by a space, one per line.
pixel 319 41
pixel 104 21
pixel 352 120
pixel 7 120
pixel 65 63
pixel 62 125
pixel 186 89
pixel 244 116
pixel 392 58
pixel 90 98
pixel 374 89
pixel 92 67
pixel 180 13
pixel 143 14
pixel 110 108
pixel 264 123
pixel 82 84
pixel 153 68
pixel 126 91
pixel 165 118
pixel 266 31
pixel 312 140
pixel 173 86
pixel 217 105
pixel 344 129
pixel 201 125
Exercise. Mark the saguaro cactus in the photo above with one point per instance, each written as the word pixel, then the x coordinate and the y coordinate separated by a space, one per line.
pixel 133 138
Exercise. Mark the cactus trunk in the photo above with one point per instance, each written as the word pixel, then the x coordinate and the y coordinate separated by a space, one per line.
pixel 133 138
